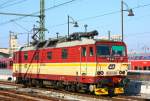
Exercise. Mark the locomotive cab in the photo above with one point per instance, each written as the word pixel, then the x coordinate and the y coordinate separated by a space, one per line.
pixel 111 69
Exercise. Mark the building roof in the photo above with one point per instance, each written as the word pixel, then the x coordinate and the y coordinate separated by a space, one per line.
pixel 4 55
pixel 4 50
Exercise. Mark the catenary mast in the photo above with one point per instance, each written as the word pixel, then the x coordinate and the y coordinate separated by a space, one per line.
pixel 42 21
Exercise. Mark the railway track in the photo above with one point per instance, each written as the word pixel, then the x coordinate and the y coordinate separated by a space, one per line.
pixel 9 91
pixel 48 94
pixel 13 96
pixel 10 83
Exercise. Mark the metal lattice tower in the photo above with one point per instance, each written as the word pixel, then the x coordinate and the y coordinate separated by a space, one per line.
pixel 42 20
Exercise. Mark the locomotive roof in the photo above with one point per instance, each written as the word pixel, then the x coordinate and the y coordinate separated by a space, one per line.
pixel 75 39
pixel 83 41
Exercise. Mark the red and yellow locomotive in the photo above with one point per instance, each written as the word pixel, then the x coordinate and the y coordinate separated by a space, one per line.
pixel 78 62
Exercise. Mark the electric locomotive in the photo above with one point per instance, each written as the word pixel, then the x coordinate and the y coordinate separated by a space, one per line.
pixel 75 63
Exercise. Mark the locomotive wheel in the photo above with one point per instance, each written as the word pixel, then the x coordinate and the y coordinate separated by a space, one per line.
pixel 78 88
pixel 33 82
pixel 73 87
pixel 25 83
pixel 30 84
pixel 59 85
pixel 39 83
pixel 68 87
pixel 18 80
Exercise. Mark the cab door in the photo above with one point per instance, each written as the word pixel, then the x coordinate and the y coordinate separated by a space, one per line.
pixel 91 54
pixel 83 60
pixel 42 61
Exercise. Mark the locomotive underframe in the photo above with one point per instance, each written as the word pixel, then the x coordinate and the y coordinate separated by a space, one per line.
pixel 103 86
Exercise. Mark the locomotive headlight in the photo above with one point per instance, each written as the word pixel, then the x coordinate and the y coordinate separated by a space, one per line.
pixel 121 72
pixel 100 72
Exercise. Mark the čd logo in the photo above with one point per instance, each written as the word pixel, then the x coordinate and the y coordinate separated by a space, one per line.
pixel 111 66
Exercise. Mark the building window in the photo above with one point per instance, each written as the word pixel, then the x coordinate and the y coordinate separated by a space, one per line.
pixel 136 68
pixel 25 55
pixel 140 68
pixel 14 56
pixel 49 55
pixel 91 51
pixel 64 53
pixel 36 56
pixel 11 63
pixel 145 68
pixel 83 51
pixel 3 65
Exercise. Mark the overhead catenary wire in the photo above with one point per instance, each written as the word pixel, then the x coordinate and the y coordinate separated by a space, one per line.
pixel 101 15
pixel 4 3
pixel 17 14
pixel 21 26
pixel 141 6
pixel 87 18
pixel 55 6
pixel 138 34
pixel 12 3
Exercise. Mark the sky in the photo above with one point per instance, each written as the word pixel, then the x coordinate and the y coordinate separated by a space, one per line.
pixel 100 15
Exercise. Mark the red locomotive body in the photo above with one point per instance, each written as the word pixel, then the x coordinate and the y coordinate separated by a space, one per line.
pixel 78 62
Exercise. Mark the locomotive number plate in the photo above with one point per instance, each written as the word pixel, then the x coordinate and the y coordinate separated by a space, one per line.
pixel 111 73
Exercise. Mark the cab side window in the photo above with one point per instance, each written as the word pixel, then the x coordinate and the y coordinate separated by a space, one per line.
pixel 49 55
pixel 91 51
pixel 84 51
pixel 25 55
pixel 64 54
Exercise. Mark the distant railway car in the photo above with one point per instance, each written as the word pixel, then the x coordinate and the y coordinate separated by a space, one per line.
pixel 78 62
pixel 6 63
pixel 140 61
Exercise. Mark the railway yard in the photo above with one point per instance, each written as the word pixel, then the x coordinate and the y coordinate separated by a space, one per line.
pixel 9 91
pixel 40 62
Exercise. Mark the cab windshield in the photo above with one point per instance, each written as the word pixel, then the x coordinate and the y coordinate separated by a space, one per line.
pixel 106 50
pixel 118 51
pixel 103 50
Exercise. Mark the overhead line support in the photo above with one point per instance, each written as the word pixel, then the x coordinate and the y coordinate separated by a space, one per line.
pixel 42 21
pixel 19 14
